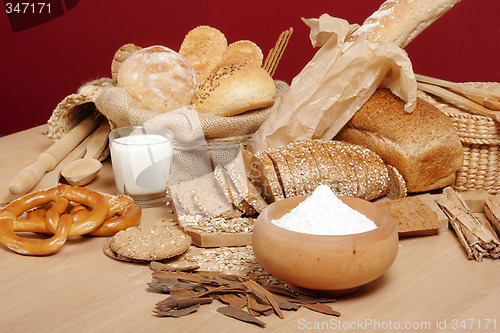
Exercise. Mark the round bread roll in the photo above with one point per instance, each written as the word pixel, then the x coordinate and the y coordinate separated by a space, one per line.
pixel 242 52
pixel 203 47
pixel 234 89
pixel 158 78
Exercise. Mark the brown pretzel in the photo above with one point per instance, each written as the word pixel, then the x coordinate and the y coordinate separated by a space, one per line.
pixel 33 246
pixel 123 213
pixel 62 227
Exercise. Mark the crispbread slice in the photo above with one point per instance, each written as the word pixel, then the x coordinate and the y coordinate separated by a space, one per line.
pixel 413 216
pixel 237 197
pixel 238 175
pixel 263 176
pixel 185 196
pixel 209 197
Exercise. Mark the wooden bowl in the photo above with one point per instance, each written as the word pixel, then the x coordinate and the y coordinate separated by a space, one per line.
pixel 325 264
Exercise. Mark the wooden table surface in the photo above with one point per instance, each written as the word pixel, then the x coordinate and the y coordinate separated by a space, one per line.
pixel 430 287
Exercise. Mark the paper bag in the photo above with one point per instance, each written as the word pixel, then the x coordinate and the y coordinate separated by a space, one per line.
pixel 334 85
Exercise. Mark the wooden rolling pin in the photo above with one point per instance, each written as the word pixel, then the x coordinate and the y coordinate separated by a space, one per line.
pixel 28 177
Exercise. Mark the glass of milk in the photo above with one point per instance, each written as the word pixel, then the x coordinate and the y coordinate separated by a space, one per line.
pixel 141 158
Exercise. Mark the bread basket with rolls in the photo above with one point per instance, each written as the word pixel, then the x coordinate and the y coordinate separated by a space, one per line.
pixel 230 87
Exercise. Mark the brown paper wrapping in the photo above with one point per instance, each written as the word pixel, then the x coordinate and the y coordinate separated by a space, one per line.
pixel 334 85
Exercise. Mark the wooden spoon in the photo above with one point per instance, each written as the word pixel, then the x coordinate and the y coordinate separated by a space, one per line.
pixel 83 171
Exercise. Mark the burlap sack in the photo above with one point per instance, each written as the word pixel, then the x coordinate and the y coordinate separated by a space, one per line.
pixel 121 110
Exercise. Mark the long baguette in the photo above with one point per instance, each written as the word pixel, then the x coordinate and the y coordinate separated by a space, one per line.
pixel 400 21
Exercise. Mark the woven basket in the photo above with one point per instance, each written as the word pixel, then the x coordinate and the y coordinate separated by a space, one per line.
pixel 480 137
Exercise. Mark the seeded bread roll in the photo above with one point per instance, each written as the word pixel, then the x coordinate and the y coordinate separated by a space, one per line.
pixel 423 145
pixel 234 89
pixel 400 21
pixel 300 167
pixel 158 78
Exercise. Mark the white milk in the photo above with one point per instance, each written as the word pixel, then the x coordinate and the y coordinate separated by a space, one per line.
pixel 141 164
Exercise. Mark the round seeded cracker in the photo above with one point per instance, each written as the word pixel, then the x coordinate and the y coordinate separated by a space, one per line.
pixel 149 242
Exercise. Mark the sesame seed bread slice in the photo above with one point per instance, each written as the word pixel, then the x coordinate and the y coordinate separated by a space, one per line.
pixel 263 175
pixel 283 171
pixel 342 178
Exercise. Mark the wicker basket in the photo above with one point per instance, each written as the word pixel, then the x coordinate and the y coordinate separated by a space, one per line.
pixel 480 137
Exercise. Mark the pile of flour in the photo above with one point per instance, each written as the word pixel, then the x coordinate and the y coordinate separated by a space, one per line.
pixel 323 213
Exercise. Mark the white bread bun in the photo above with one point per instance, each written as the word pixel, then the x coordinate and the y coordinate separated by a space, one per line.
pixel 242 52
pixel 234 89
pixel 158 78
pixel 422 145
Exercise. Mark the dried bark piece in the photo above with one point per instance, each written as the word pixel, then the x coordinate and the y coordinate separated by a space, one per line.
pixel 178 313
pixel 233 299
pixel 285 304
pixel 322 308
pixel 239 314
pixel 255 287
pixel 255 306
pixel 176 303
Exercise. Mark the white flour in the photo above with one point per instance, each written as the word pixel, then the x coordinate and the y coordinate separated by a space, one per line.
pixel 323 213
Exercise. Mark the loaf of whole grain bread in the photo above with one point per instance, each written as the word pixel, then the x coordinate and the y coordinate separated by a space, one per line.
pixel 422 145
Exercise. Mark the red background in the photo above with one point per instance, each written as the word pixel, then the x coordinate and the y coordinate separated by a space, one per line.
pixel 44 64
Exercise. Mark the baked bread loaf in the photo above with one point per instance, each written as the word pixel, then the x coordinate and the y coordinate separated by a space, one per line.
pixel 422 145
pixel 203 47
pixel 234 89
pixel 300 167
pixel 158 79
pixel 400 21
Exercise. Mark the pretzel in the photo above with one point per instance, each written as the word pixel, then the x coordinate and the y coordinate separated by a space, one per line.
pixel 63 226
pixel 123 213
